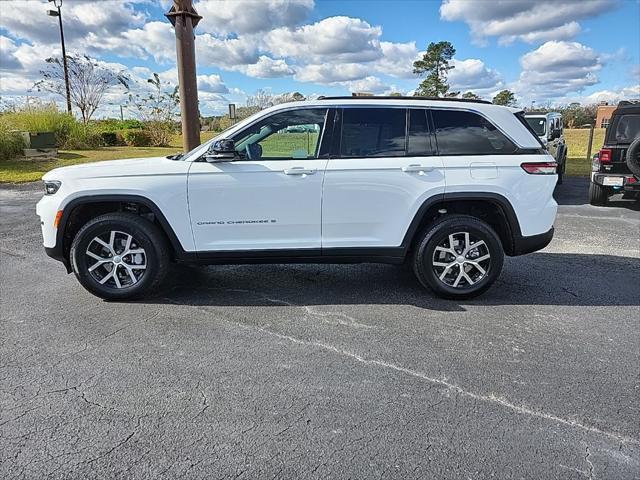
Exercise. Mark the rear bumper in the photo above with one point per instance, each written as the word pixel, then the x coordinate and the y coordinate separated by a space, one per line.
pixel 523 245
pixel 629 182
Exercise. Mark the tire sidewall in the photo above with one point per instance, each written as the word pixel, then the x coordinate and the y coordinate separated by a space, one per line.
pixel 439 234
pixel 141 232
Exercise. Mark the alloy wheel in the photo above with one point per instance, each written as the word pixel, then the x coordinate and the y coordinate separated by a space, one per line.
pixel 115 259
pixel 461 260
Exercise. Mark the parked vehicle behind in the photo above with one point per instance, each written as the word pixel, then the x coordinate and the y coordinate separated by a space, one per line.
pixel 445 185
pixel 550 129
pixel 616 167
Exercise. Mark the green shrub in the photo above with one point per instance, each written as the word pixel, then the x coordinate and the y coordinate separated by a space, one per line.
pixel 83 137
pixel 160 133
pixel 11 142
pixel 113 125
pixel 42 118
pixel 136 138
pixel 112 139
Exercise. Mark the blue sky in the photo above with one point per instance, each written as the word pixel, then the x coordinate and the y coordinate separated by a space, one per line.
pixel 547 51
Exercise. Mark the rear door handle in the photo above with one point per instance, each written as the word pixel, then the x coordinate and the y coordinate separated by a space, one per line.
pixel 414 167
pixel 299 171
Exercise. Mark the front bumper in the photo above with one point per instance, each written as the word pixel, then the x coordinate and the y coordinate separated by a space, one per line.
pixel 532 243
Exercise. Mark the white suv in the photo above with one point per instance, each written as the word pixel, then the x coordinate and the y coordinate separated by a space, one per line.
pixel 447 185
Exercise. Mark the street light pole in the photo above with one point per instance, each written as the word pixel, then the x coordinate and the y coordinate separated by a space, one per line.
pixel 184 18
pixel 53 13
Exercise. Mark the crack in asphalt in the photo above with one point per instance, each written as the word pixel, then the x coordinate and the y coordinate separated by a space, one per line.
pixel 492 399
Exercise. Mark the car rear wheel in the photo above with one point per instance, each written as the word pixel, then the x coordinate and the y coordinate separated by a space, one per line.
pixel 458 257
pixel 119 256
pixel 598 195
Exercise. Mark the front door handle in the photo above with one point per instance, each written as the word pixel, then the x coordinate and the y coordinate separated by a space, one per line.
pixel 414 167
pixel 299 171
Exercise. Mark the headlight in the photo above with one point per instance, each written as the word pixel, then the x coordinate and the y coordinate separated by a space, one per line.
pixel 51 186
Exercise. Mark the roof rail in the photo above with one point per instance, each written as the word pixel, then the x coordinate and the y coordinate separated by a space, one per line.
pixel 398 97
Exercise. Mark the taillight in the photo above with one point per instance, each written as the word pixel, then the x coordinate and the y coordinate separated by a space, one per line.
pixel 540 168
pixel 606 155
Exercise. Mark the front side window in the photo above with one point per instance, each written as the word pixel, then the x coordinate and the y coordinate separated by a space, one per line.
pixel 293 134
pixel 373 132
pixel 467 133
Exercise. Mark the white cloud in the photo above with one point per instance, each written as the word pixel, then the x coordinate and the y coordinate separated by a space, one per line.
pixel 211 84
pixel 473 75
pixel 330 73
pixel 613 96
pixel 155 39
pixel 397 59
pixel 563 32
pixel 267 67
pixel 368 84
pixel 250 16
pixel 337 39
pixel 28 20
pixel 556 69
pixel 527 20
pixel 226 53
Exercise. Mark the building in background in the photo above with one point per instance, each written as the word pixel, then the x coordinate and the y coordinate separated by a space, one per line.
pixel 603 115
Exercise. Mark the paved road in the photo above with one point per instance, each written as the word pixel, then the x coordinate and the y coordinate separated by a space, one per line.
pixel 327 371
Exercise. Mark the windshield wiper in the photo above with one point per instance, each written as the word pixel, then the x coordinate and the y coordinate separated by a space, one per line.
pixel 177 156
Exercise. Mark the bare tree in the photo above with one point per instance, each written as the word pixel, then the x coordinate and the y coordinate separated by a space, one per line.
pixel 159 105
pixel 88 82
pixel 263 99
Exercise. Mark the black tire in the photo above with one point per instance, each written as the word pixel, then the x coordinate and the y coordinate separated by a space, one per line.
pixel 437 235
pixel 148 265
pixel 633 157
pixel 561 169
pixel 598 195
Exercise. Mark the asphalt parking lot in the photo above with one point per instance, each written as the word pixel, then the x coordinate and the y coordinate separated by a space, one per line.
pixel 318 371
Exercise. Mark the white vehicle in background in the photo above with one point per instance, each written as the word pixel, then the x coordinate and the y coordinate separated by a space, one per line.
pixel 447 185
pixel 550 129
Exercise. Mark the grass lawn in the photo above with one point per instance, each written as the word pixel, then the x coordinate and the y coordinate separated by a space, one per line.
pixel 15 171
pixel 577 140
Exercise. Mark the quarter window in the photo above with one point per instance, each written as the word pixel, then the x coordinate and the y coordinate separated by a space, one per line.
pixel 373 132
pixel 467 133
pixel 293 134
pixel 419 141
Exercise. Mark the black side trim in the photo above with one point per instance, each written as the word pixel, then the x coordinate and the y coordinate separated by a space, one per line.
pixel 532 243
pixel 394 255
pixel 59 252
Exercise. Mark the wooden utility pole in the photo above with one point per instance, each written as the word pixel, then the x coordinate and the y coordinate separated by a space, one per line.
pixel 184 19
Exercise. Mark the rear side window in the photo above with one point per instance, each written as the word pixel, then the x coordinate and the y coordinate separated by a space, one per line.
pixel 627 128
pixel 419 142
pixel 467 133
pixel 373 132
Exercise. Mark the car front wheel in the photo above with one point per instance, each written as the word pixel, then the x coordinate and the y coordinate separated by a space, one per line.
pixel 119 256
pixel 458 257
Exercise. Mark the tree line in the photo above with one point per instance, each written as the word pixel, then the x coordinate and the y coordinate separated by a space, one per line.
pixel 90 81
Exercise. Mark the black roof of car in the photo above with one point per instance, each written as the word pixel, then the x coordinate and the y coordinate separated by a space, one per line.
pixel 627 107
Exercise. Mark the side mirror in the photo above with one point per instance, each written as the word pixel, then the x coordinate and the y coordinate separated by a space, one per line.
pixel 222 150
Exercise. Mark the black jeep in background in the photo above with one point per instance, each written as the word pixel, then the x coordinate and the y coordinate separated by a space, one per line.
pixel 616 168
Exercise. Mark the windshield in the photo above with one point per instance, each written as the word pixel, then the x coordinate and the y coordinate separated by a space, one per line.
pixel 538 124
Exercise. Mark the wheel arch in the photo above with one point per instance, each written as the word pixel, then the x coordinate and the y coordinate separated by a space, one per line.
pixel 493 208
pixel 81 209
